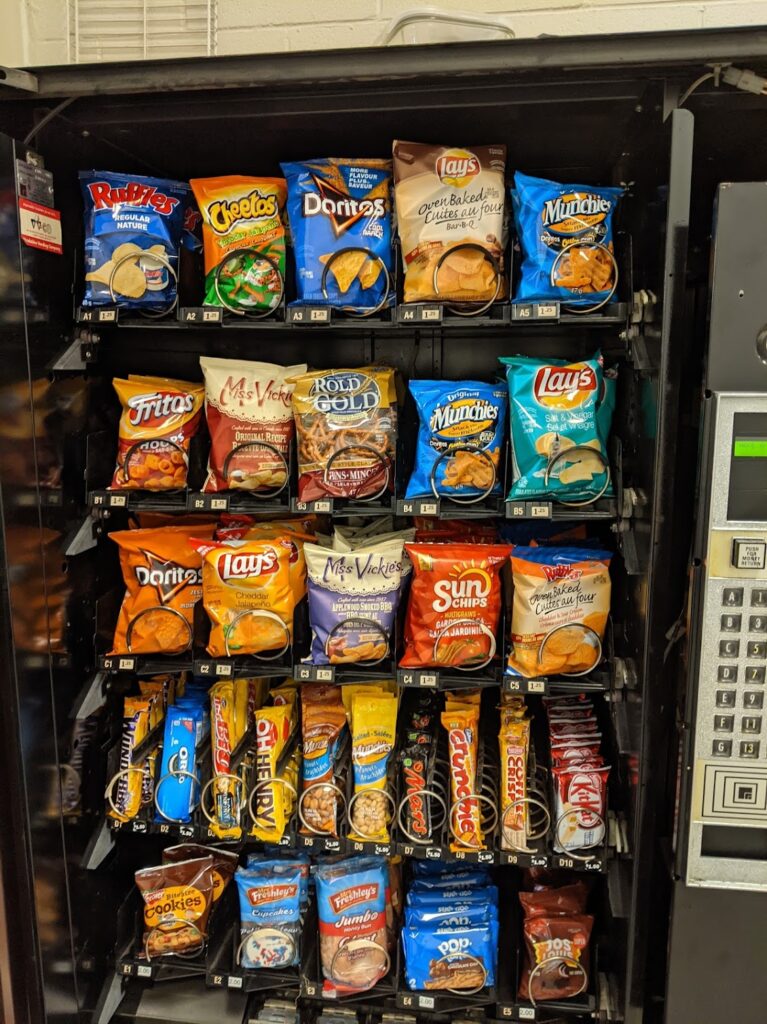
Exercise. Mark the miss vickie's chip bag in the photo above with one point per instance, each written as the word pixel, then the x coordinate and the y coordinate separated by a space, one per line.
pixel 340 221
pixel 244 241
pixel 133 231
pixel 560 417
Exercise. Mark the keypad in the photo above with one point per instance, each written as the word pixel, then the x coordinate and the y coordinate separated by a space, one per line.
pixel 729 648
pixel 725 698
pixel 749 748
pixel 732 597
pixel 722 748
pixel 751 724
pixel 724 723
pixel 753 699
pixel 756 623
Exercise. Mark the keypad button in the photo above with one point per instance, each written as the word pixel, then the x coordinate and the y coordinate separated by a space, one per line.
pixel 754 673
pixel 751 723
pixel 753 699
pixel 732 597
pixel 723 723
pixel 731 623
pixel 758 598
pixel 756 623
pixel 730 648
pixel 727 674
pixel 749 748
pixel 757 648
pixel 722 748
pixel 725 698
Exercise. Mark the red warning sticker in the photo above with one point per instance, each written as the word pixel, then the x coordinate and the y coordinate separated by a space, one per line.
pixel 40 226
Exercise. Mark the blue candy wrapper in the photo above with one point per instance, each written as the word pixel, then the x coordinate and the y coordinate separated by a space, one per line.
pixel 566 236
pixel 176 795
pixel 270 914
pixel 340 220
pixel 133 229
pixel 460 437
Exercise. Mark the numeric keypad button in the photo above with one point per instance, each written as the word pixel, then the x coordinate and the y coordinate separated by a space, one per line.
pixel 730 648
pixel 732 597
pixel 757 649
pixel 724 723
pixel 749 748
pixel 759 598
pixel 725 698
pixel 751 723
pixel 753 699
pixel 755 673
pixel 722 748
pixel 756 623
pixel 731 623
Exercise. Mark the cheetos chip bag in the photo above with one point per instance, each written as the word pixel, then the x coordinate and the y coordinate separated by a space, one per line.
pixel 247 594
pixel 454 606
pixel 163 584
pixel 560 608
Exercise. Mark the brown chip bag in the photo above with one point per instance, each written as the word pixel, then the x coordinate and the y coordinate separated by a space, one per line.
pixel 451 208
pixel 177 902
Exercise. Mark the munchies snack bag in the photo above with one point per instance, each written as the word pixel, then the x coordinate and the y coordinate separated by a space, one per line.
pixel 250 421
pixel 560 608
pixel 159 418
pixel 240 215
pixel 163 584
pixel 451 221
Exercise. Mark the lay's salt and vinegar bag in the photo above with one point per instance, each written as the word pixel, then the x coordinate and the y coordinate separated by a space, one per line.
pixel 560 417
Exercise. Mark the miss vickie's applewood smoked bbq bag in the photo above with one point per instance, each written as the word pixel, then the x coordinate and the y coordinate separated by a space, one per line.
pixel 250 421
pixel 163 584
pixel 177 901
pixel 451 221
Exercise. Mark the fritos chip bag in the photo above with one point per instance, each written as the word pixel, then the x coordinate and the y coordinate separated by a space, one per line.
pixel 451 221
pixel 159 418
pixel 462 724
pixel 240 215
pixel 560 608
pixel 460 437
pixel 273 803
pixel 133 231
pixel 246 593
pixel 250 421
pixel 454 606
pixel 163 583
pixel 560 422
pixel 566 235
pixel 340 221
pixel 346 422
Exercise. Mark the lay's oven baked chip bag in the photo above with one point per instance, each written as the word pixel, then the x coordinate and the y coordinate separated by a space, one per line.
pixel 460 437
pixel 244 241
pixel 133 231
pixel 560 417
pixel 566 235
pixel 340 222
pixel 559 612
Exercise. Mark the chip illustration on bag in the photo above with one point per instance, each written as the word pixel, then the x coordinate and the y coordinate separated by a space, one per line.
pixel 566 235
pixel 159 418
pixel 560 416
pixel 133 229
pixel 244 241
pixel 346 425
pixel 340 222
pixel 559 612
pixel 460 437
pixel 451 217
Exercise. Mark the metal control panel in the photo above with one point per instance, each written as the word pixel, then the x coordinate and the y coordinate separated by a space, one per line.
pixel 729 788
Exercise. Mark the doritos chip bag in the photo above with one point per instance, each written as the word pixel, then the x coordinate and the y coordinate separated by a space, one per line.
pixel 163 584
pixel 454 605
pixel 159 418
pixel 560 609
pixel 566 234
pixel 133 231
pixel 560 422
pixel 460 436
pixel 246 593
pixel 250 421
pixel 244 240
pixel 451 221
pixel 346 426
pixel 340 220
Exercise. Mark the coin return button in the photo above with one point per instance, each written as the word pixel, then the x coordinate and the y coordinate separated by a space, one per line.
pixel 749 554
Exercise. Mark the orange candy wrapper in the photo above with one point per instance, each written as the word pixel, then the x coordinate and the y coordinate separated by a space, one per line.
pixel 247 594
pixel 461 722
pixel 159 419
pixel 163 580
pixel 454 606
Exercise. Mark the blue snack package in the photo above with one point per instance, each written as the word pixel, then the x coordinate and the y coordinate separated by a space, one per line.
pixel 270 914
pixel 177 794
pixel 452 958
pixel 460 438
pixel 133 229
pixel 462 893
pixel 566 236
pixel 560 415
pixel 284 862
pixel 451 914
pixel 340 221
pixel 429 868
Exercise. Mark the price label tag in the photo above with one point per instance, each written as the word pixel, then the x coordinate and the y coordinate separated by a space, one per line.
pixel 323 506
pixel 427 679
pixel 144 971
pixel 536 686
pixel 548 311
pixel 201 315
pixel 527 1013
pixel 139 826
pixel 332 844
pixel 118 500
pixel 433 853
pixel 309 314
pixel 540 511
pixel 325 675
pixel 592 865
pixel 426 1002
pixel 429 508
pixel 538 861
pixel 234 982
pixel 126 664
pixel 223 669
pixel 103 315
pixel 187 831
pixel 484 857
